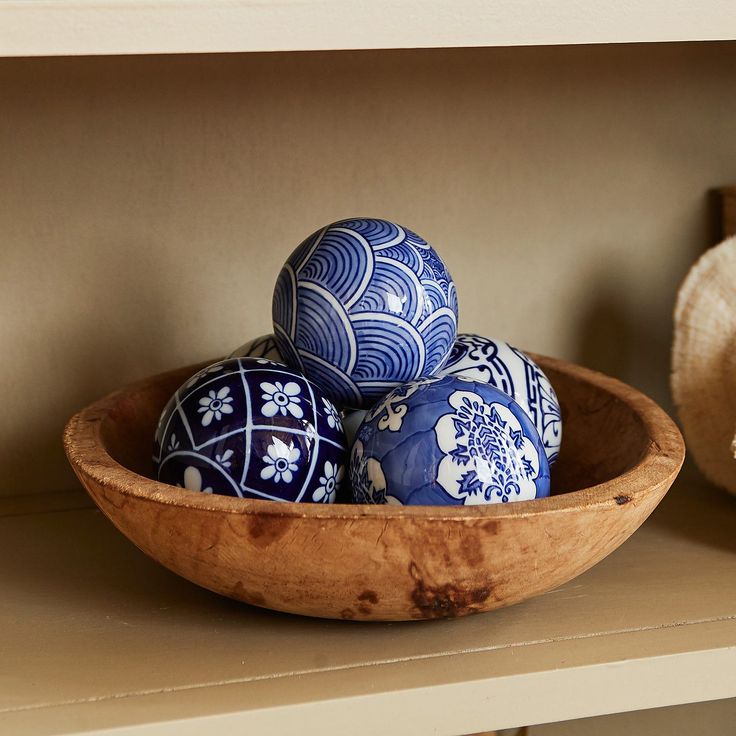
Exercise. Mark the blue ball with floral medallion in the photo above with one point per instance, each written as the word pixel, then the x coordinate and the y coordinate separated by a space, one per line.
pixel 515 373
pixel 447 441
pixel 252 428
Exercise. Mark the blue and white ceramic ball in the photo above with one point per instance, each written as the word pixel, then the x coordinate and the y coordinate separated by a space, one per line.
pixel 362 306
pixel 252 428
pixel 447 441
pixel 260 347
pixel 499 364
pixel 351 421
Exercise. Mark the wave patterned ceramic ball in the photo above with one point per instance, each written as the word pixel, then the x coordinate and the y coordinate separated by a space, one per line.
pixel 499 364
pixel 447 441
pixel 260 347
pixel 252 428
pixel 362 306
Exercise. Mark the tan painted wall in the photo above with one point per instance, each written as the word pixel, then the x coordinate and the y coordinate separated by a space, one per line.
pixel 146 204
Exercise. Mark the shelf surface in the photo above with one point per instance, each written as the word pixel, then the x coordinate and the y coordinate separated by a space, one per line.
pixel 77 27
pixel 95 636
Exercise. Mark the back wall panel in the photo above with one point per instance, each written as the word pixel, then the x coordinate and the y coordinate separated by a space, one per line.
pixel 147 203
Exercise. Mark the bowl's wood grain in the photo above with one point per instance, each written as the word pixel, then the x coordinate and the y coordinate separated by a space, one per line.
pixel 620 454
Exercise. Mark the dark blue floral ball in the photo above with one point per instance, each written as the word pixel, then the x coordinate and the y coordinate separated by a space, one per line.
pixel 448 441
pixel 252 428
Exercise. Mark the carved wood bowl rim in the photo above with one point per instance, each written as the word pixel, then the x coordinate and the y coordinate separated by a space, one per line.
pixel 660 462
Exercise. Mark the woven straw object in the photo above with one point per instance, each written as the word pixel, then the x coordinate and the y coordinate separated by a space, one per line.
pixel 704 363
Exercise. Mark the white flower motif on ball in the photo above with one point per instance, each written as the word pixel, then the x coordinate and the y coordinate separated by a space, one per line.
pixel 193 480
pixel 280 461
pixel 488 459
pixel 224 459
pixel 333 418
pixel 214 405
pixel 330 483
pixel 281 399
pixel 197 376
pixel 391 407
pixel 367 478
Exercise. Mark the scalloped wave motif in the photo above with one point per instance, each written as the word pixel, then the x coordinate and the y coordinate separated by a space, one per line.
pixel 452 297
pixel 320 316
pixel 394 289
pixel 379 233
pixel 362 306
pixel 438 334
pixel 287 349
pixel 405 253
pixel 434 297
pixel 322 373
pixel 387 346
pixel 284 299
pixel 342 264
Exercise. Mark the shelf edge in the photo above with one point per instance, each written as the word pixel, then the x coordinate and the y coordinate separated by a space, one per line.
pixel 93 27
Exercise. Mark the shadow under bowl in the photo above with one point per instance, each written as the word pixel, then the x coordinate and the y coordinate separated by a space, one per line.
pixel 620 454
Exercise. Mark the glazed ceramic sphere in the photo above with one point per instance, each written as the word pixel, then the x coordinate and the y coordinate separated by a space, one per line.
pixel 351 421
pixel 252 428
pixel 447 441
pixel 362 306
pixel 499 364
pixel 260 347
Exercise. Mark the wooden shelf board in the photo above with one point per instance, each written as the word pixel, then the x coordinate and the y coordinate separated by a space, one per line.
pixel 83 27
pixel 95 636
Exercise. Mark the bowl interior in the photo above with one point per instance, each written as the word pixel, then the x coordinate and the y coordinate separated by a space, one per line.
pixel 603 436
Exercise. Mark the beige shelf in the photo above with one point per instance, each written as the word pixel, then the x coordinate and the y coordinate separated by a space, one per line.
pixel 75 27
pixel 95 636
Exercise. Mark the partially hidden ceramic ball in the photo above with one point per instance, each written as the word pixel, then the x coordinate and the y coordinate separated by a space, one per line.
pixel 252 428
pixel 362 306
pixel 499 364
pixel 447 441
pixel 260 347
pixel 351 421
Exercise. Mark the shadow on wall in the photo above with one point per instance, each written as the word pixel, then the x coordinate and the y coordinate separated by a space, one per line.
pixel 621 337
pixel 621 334
pixel 607 330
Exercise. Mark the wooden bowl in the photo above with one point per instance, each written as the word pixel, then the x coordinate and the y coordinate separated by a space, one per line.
pixel 620 454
